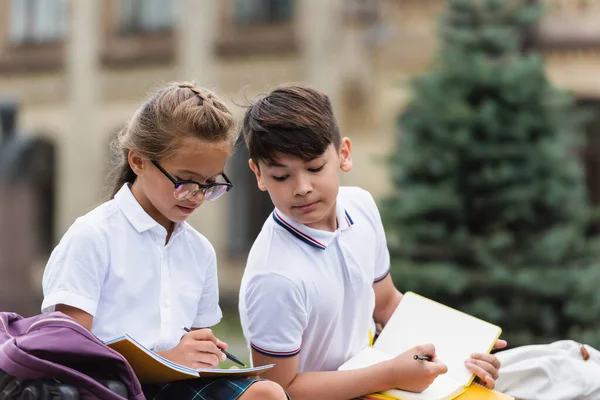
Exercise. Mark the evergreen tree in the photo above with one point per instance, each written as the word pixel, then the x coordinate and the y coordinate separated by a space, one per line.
pixel 490 213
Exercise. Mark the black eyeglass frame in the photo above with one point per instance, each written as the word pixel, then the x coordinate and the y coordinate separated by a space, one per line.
pixel 201 186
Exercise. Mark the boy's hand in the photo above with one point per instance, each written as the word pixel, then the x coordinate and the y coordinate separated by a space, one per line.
pixel 197 349
pixel 415 375
pixel 486 366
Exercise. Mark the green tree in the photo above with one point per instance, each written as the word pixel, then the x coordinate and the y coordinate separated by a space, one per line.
pixel 489 214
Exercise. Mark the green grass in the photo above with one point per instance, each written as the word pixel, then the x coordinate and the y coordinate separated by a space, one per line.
pixel 229 330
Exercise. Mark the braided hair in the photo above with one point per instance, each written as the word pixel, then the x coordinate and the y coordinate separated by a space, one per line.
pixel 175 111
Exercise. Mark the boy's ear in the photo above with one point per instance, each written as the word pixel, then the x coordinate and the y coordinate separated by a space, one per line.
pixel 346 155
pixel 259 179
pixel 136 162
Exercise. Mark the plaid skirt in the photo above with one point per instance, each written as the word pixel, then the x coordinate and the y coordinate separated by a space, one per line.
pixel 199 389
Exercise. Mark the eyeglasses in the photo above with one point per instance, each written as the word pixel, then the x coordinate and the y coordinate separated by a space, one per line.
pixel 186 189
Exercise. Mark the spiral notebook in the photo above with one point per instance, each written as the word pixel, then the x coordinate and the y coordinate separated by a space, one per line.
pixel 149 367
pixel 456 335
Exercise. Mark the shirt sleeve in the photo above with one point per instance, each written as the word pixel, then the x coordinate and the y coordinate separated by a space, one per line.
pixel 209 313
pixel 276 315
pixel 382 261
pixel 75 272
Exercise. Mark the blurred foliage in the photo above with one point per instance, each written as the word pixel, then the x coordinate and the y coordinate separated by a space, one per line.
pixel 490 212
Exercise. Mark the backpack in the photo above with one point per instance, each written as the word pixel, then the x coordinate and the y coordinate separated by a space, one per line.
pixel 55 346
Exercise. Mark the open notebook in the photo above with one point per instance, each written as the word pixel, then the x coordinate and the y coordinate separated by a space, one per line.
pixel 456 335
pixel 149 367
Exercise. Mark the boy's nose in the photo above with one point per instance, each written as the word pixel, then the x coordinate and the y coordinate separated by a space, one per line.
pixel 303 187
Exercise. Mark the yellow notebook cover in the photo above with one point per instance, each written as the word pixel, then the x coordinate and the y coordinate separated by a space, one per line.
pixel 478 392
pixel 455 335
pixel 149 367
pixel 474 392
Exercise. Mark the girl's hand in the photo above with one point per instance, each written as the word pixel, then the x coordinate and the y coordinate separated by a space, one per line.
pixel 486 366
pixel 197 349
pixel 415 375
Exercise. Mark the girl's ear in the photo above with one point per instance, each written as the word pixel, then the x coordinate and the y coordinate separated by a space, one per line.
pixel 136 162
pixel 346 155
pixel 259 179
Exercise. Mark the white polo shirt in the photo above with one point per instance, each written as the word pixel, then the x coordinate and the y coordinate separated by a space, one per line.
pixel 113 264
pixel 310 292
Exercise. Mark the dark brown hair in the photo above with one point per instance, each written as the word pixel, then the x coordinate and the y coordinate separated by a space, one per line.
pixel 176 111
pixel 292 120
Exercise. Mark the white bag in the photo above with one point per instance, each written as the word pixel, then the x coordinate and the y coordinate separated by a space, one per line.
pixel 556 371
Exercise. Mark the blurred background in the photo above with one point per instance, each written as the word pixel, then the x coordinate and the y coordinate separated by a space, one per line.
pixel 73 72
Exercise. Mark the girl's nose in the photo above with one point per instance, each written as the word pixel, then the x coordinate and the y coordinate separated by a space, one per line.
pixel 198 197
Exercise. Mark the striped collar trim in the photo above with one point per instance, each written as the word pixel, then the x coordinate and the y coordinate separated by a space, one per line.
pixel 349 220
pixel 313 237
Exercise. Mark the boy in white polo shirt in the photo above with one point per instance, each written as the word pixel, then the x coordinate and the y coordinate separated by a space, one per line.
pixel 317 277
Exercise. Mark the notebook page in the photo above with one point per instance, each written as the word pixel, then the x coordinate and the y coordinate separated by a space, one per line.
pixel 233 372
pixel 116 345
pixel 456 335
pixel 365 358
pixel 148 366
pixel 443 386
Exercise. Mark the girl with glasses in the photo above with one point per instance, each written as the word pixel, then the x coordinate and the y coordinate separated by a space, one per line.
pixel 134 266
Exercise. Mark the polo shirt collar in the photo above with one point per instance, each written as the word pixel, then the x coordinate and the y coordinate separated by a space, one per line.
pixel 314 237
pixel 137 216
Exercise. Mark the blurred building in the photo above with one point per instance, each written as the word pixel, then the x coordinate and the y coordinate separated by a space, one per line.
pixel 78 69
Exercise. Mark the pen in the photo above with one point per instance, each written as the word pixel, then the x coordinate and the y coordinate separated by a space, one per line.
pixel 422 358
pixel 230 356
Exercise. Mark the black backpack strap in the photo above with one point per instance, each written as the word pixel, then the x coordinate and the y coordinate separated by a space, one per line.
pixel 10 387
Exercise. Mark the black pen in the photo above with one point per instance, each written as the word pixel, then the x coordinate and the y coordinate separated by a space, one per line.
pixel 422 358
pixel 230 356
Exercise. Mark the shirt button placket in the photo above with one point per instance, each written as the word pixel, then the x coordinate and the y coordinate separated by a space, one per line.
pixel 165 300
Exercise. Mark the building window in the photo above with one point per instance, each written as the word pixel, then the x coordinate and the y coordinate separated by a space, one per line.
pixel 139 32
pixel 32 36
pixel 569 24
pixel 37 21
pixel 252 12
pixel 251 27
pixel 147 16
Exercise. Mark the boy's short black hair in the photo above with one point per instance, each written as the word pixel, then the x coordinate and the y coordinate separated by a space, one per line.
pixel 292 120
